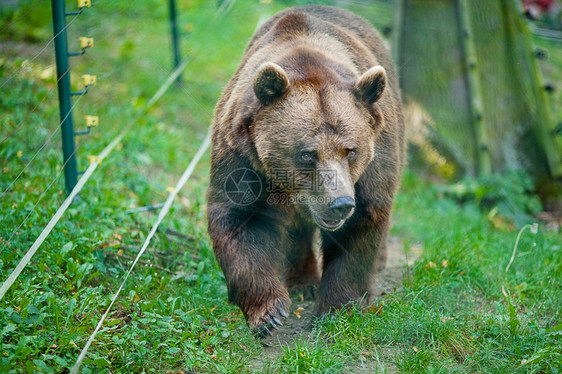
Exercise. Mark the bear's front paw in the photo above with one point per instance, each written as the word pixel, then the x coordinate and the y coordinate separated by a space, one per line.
pixel 268 315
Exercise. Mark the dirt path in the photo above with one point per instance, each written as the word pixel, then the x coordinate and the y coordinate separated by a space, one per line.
pixel 388 280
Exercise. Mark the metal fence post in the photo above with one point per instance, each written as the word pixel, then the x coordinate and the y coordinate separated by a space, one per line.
pixel 65 103
pixel 175 37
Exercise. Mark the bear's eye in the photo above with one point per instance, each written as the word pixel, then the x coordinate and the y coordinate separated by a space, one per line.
pixel 306 157
pixel 351 154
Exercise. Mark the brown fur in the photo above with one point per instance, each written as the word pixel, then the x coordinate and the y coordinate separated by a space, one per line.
pixel 315 82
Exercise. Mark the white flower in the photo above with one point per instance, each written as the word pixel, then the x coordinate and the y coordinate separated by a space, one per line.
pixel 534 228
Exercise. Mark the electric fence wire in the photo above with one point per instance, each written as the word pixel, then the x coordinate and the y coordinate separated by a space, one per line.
pixel 87 174
pixel 167 205
pixel 183 87
pixel 162 214
pixel 43 145
pixel 152 101
pixel 96 161
pixel 41 196
pixel 16 128
pixel 2 193
pixel 23 15
pixel 24 65
pixel 33 158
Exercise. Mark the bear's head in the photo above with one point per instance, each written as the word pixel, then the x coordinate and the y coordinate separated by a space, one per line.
pixel 314 135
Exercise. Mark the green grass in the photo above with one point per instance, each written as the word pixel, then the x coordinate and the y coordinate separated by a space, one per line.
pixel 450 316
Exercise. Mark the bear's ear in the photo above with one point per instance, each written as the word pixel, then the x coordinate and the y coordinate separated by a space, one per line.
pixel 371 84
pixel 270 83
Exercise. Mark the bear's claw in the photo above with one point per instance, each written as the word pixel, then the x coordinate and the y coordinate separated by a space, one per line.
pixel 271 320
pixel 265 331
pixel 282 312
pixel 275 322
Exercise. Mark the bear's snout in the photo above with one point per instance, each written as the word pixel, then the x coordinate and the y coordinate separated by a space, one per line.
pixel 342 206
pixel 332 216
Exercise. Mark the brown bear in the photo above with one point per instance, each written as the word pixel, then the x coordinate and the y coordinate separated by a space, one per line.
pixel 308 137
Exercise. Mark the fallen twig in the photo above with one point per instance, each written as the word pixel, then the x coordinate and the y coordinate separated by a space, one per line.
pixel 141 262
pixel 158 254
pixel 179 235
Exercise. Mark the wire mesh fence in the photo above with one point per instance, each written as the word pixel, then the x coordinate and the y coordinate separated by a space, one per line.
pixel 472 67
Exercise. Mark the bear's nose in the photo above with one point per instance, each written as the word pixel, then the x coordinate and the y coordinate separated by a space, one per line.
pixel 342 205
